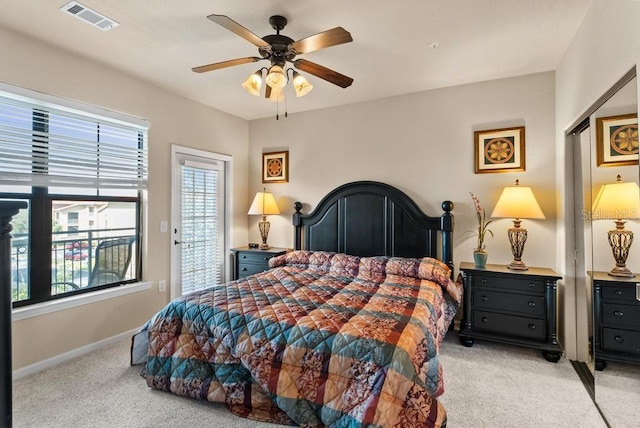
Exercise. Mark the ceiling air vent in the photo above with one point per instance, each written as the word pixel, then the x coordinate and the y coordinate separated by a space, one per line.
pixel 89 16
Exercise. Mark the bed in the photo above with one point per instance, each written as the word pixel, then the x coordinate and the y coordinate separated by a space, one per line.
pixel 344 330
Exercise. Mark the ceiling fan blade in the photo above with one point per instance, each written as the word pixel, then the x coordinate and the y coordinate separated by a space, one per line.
pixel 323 72
pixel 224 64
pixel 241 31
pixel 335 36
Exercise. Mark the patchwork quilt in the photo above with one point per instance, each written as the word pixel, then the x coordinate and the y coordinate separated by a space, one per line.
pixel 321 339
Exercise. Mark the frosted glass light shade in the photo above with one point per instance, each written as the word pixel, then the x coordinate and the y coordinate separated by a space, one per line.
pixel 301 84
pixel 276 77
pixel 617 201
pixel 253 83
pixel 517 202
pixel 264 204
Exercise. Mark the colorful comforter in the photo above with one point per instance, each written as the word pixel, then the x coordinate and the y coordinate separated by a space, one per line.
pixel 321 339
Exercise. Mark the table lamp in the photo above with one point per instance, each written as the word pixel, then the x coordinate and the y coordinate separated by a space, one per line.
pixel 517 202
pixel 618 202
pixel 264 204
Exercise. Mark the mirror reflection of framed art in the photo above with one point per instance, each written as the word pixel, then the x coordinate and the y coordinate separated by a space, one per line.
pixel 617 140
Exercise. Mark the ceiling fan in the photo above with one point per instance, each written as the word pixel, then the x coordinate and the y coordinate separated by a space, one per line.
pixel 280 49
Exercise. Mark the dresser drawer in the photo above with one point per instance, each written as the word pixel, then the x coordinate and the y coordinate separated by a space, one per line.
pixel 527 305
pixel 621 340
pixel 532 328
pixel 621 315
pixel 626 292
pixel 512 283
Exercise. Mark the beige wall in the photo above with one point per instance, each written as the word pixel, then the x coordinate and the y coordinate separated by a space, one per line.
pixel 421 143
pixel 174 120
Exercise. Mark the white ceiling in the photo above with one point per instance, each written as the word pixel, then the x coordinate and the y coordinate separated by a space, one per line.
pixel 161 40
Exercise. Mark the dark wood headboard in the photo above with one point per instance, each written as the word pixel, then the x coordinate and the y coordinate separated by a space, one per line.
pixel 368 218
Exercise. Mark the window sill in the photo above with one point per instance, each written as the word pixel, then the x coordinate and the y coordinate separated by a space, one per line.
pixel 74 301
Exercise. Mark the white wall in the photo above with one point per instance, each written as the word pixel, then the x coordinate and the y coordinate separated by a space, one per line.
pixel 35 65
pixel 421 143
pixel 606 46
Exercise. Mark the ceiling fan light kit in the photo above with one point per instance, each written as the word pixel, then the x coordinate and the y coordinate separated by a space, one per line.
pixel 278 50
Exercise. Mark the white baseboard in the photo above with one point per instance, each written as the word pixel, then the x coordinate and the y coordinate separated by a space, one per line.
pixel 50 362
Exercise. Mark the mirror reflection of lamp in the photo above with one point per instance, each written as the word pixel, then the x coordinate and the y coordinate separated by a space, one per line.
pixel 264 204
pixel 618 201
pixel 517 202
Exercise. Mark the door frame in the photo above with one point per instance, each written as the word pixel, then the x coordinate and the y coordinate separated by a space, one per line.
pixel 177 150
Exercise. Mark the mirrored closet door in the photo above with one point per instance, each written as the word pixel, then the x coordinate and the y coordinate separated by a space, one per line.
pixel 616 306
pixel 608 305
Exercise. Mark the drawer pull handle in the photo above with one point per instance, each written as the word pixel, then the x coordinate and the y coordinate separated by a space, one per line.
pixel 532 304
pixel 244 257
pixel 532 284
pixel 619 339
pixel 618 292
pixel 484 298
pixel 618 314
pixel 265 258
pixel 484 319
pixel 483 280
pixel 532 327
pixel 244 269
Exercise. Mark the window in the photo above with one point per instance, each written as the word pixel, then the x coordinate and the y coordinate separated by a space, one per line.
pixel 82 171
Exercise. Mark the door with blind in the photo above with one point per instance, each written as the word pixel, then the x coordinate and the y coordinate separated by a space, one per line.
pixel 198 221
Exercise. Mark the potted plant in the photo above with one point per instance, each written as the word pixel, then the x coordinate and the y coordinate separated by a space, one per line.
pixel 479 253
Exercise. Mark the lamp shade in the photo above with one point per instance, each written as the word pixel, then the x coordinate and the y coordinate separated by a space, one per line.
pixel 264 204
pixel 517 202
pixel 276 77
pixel 617 201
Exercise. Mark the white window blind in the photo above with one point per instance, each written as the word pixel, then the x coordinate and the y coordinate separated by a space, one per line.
pixel 202 208
pixel 48 144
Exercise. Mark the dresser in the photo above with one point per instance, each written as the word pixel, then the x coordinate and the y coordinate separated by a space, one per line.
pixel 511 306
pixel 616 319
pixel 253 260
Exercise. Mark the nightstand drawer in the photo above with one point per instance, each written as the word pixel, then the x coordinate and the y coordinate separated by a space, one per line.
pixel 246 269
pixel 616 291
pixel 528 305
pixel 254 257
pixel 621 340
pixel 525 285
pixel 621 315
pixel 533 328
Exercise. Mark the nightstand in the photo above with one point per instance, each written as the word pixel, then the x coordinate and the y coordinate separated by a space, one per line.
pixel 616 319
pixel 253 260
pixel 511 306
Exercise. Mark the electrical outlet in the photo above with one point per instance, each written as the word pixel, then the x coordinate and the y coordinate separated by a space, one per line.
pixel 164 225
pixel 162 286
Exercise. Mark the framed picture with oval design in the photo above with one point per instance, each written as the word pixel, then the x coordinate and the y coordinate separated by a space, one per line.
pixel 617 140
pixel 275 167
pixel 499 150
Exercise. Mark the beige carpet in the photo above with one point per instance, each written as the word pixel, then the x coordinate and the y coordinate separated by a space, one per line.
pixel 488 385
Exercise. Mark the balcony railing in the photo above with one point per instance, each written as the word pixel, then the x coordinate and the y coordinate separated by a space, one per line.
pixel 72 259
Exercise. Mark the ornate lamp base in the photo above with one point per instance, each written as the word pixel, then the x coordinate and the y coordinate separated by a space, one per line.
pixel 620 240
pixel 517 238
pixel 264 227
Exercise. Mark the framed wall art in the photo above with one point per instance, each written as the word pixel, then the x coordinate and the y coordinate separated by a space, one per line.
pixel 617 140
pixel 275 167
pixel 499 150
